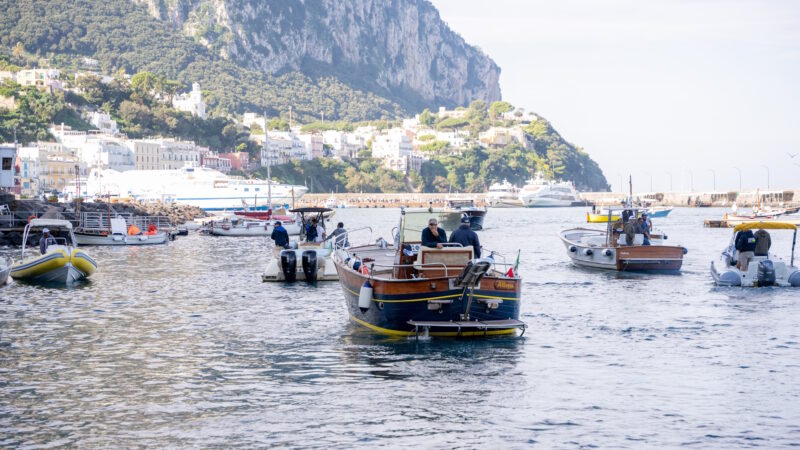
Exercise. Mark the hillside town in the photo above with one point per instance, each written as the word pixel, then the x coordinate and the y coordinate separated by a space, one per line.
pixel 49 166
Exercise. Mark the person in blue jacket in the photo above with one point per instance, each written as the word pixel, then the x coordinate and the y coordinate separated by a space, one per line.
pixel 466 237
pixel 280 235
pixel 433 236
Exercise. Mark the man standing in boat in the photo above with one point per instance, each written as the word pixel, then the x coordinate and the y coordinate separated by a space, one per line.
pixel 466 237
pixel 45 240
pixel 280 235
pixel 433 236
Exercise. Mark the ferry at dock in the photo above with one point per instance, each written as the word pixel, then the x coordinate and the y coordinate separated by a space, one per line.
pixel 206 188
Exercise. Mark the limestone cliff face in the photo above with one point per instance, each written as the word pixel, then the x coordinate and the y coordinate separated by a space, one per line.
pixel 400 49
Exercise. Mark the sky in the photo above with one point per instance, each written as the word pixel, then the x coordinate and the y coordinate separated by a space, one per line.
pixel 669 92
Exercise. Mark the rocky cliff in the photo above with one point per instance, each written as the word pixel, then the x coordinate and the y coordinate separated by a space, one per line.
pixel 398 49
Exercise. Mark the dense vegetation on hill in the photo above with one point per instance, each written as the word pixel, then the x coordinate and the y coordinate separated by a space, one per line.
pixel 123 37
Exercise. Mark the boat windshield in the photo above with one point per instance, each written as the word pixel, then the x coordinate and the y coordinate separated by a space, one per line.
pixel 413 222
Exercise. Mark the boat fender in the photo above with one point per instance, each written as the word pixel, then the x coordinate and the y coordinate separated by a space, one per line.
pixel 685 250
pixel 356 265
pixel 573 249
pixel 365 296
pixel 289 265
pixel 588 252
pixel 310 265
pixel 607 252
pixel 794 279
pixel 666 237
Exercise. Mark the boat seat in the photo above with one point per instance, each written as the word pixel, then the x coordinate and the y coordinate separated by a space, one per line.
pixel 454 258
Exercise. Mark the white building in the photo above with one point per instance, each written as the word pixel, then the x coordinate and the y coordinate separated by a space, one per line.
pixel 44 79
pixel 191 102
pixel 344 144
pixel 164 154
pixel 396 151
pixel 8 158
pixel 445 113
pixel 313 143
pixel 216 162
pixel 103 122
pixel 249 119
pixel 28 162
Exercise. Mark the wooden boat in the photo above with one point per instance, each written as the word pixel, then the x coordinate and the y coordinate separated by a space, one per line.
pixel 405 289
pixel 762 270
pixel 606 249
pixel 63 263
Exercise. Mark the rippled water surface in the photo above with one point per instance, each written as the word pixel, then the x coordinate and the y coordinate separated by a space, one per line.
pixel 183 345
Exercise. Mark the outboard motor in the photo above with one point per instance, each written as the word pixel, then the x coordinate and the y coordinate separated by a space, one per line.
pixel 310 265
pixel 794 279
pixel 289 265
pixel 766 273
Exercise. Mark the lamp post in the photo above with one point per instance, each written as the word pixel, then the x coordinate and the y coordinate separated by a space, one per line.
pixel 691 180
pixel 766 167
pixel 670 181
pixel 740 178
pixel 714 180
pixel 620 182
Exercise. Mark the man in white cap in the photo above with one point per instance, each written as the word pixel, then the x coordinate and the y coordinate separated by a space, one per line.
pixel 45 240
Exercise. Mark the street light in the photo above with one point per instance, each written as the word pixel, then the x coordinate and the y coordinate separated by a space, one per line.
pixel 740 178
pixel 714 175
pixel 620 182
pixel 670 181
pixel 691 180
pixel 766 167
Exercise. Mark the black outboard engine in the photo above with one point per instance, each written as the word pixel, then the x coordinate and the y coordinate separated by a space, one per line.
pixel 766 273
pixel 289 265
pixel 310 265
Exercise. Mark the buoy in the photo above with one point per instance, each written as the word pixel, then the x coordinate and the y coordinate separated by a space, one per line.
pixel 365 296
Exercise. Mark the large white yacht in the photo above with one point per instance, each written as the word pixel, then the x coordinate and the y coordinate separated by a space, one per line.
pixel 539 193
pixel 206 188
pixel 503 195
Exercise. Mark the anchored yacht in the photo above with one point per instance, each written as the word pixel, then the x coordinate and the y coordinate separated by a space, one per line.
pixel 540 192
pixel 503 195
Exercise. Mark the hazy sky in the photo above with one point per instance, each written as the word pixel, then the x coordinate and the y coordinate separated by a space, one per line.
pixel 654 87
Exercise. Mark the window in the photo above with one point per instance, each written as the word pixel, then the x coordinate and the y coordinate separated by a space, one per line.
pixel 6 163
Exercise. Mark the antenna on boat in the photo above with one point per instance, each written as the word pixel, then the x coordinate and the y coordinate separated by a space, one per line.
pixel 269 163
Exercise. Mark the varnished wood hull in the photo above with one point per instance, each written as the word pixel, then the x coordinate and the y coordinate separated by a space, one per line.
pixel 395 302
pixel 649 258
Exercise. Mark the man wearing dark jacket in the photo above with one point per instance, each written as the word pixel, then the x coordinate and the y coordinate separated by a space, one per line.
pixel 280 235
pixel 433 236
pixel 466 237
pixel 745 243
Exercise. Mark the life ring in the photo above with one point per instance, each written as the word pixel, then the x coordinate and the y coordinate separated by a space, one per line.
pixel 31 217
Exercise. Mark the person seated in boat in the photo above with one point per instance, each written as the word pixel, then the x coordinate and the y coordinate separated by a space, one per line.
pixel 630 230
pixel 641 228
pixel 763 243
pixel 280 235
pixel 745 244
pixel 45 241
pixel 151 230
pixel 433 236
pixel 133 230
pixel 466 237
pixel 314 231
pixel 339 231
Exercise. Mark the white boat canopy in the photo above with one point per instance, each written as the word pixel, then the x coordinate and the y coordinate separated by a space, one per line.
pixel 55 223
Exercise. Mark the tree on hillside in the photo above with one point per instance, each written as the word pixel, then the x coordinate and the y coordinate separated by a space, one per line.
pixel 426 118
pixel 477 112
pixel 498 108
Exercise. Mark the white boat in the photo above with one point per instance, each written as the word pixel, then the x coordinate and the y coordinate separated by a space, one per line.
pixel 762 270
pixel 245 228
pixel 541 193
pixel 5 269
pixel 503 195
pixel 117 234
pixel 330 203
pixel 307 261
pixel 198 186
pixel 62 263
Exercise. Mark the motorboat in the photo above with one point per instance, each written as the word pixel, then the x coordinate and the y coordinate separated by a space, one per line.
pixel 62 263
pixel 237 227
pixel 305 260
pixel 601 215
pixel 503 195
pixel 658 212
pixel 467 207
pixel 331 203
pixel 406 289
pixel 141 230
pixel 762 270
pixel 541 193
pixel 206 188
pixel 5 269
pixel 608 249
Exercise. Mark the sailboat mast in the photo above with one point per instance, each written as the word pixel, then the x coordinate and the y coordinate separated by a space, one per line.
pixel 269 163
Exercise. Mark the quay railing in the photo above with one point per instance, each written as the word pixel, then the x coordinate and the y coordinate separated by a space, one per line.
pixel 102 221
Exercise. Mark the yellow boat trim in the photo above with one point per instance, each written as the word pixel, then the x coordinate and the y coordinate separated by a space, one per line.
pixel 39 268
pixel 600 218
pixel 390 332
pixel 764 226
pixel 430 298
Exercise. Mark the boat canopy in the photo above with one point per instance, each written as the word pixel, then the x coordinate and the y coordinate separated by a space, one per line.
pixel 310 210
pixel 55 223
pixel 764 226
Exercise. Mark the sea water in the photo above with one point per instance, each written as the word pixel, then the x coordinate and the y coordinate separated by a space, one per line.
pixel 183 346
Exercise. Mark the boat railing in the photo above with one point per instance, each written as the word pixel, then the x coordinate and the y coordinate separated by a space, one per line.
pixel 339 240
pixel 102 221
pixel 395 266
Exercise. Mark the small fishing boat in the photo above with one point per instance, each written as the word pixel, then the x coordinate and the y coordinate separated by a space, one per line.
pixel 305 261
pixel 761 270
pixel 119 233
pixel 658 212
pixel 601 215
pixel 467 207
pixel 607 249
pixel 407 290
pixel 62 263
pixel 242 228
